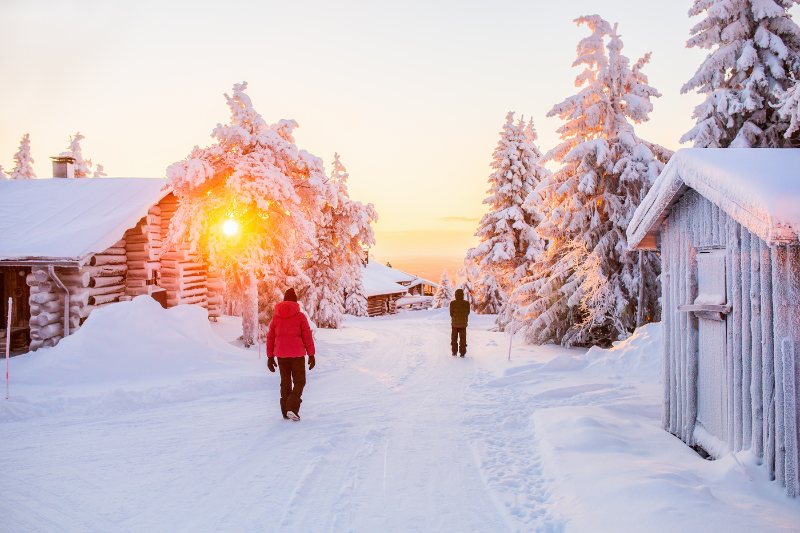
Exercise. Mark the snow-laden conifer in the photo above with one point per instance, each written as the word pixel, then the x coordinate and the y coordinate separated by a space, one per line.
pixel 83 167
pixel 467 279
pixel 507 232
pixel 754 57
pixel 444 294
pixel 355 298
pixel 345 229
pixel 3 175
pixel 23 162
pixel 255 175
pixel 489 296
pixel 606 172
pixel 99 172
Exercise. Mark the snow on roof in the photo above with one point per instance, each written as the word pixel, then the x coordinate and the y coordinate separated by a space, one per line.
pixel 71 219
pixel 390 273
pixel 381 279
pixel 421 281
pixel 757 187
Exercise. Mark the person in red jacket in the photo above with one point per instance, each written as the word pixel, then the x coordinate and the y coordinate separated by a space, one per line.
pixel 289 339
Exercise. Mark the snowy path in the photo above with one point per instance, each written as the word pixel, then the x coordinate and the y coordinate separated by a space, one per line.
pixel 397 435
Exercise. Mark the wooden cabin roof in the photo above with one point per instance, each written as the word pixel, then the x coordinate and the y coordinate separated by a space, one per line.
pixel 67 220
pixel 380 279
pixel 757 187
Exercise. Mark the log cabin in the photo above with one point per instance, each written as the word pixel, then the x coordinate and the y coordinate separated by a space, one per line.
pixel 387 288
pixel 70 246
pixel 726 222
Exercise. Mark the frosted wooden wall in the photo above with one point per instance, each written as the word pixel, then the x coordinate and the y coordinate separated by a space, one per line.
pixel 763 336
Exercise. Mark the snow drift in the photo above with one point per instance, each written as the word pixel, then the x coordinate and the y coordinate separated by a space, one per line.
pixel 138 346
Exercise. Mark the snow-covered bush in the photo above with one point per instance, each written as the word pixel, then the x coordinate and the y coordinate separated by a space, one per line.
pixel 754 59
pixel 23 162
pixel 606 172
pixel 254 175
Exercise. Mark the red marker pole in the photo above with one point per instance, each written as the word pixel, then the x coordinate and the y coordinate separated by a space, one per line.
pixel 8 340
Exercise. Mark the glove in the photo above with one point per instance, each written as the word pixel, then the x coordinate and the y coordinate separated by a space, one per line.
pixel 311 362
pixel 271 364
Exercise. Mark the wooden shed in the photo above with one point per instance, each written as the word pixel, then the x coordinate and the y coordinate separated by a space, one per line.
pixel 82 244
pixel 726 222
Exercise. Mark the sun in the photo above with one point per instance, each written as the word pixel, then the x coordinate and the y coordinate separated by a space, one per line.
pixel 230 227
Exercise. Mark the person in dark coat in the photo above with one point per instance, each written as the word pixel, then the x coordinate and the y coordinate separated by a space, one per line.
pixel 459 315
pixel 289 339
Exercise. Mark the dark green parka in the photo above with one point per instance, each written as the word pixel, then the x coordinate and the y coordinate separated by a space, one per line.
pixel 459 310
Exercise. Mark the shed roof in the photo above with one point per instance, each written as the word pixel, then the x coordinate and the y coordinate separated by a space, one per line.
pixel 71 219
pixel 757 187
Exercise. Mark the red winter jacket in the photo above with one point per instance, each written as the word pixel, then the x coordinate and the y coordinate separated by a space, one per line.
pixel 289 333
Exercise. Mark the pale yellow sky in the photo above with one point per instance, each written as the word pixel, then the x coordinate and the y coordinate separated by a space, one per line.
pixel 411 94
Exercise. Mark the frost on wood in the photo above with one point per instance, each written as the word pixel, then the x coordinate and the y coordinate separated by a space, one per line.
pixel 734 379
pixel 585 288
pixel 334 265
pixel 445 293
pixel 747 74
pixel 23 162
pixel 254 175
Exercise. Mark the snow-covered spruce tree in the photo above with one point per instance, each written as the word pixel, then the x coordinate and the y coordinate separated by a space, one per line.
pixel 3 175
pixel 23 162
pixel 355 300
pixel 444 294
pixel 606 172
pixel 467 279
pixel 754 58
pixel 509 241
pixel 99 172
pixel 489 296
pixel 256 176
pixel 345 228
pixel 83 167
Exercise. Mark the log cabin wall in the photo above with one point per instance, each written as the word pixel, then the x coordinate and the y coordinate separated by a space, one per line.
pixel 97 284
pixel 143 246
pixel 183 274
pixel 759 387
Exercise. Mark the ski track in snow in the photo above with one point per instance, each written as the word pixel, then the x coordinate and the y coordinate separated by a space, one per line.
pixel 397 435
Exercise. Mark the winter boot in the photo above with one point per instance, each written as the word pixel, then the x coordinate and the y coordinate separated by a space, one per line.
pixel 294 416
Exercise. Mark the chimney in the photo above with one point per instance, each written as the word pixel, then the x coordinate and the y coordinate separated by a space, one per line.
pixel 63 166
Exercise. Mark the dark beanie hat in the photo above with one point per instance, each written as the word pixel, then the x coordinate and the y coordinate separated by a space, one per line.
pixel 289 296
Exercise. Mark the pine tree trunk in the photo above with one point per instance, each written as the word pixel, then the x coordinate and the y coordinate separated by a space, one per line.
pixel 248 296
pixel 642 285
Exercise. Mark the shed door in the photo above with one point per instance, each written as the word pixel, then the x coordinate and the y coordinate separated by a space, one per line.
pixel 712 398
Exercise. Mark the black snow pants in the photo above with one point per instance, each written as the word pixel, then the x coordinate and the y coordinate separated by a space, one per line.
pixel 458 340
pixel 293 369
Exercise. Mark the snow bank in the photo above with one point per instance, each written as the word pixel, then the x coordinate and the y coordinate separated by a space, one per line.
pixel 637 357
pixel 133 346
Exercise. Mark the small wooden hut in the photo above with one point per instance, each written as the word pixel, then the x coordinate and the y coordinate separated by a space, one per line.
pixel 727 223
pixel 82 244
pixel 383 287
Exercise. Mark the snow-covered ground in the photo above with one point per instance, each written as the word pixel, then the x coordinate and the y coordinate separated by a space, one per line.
pixel 148 420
